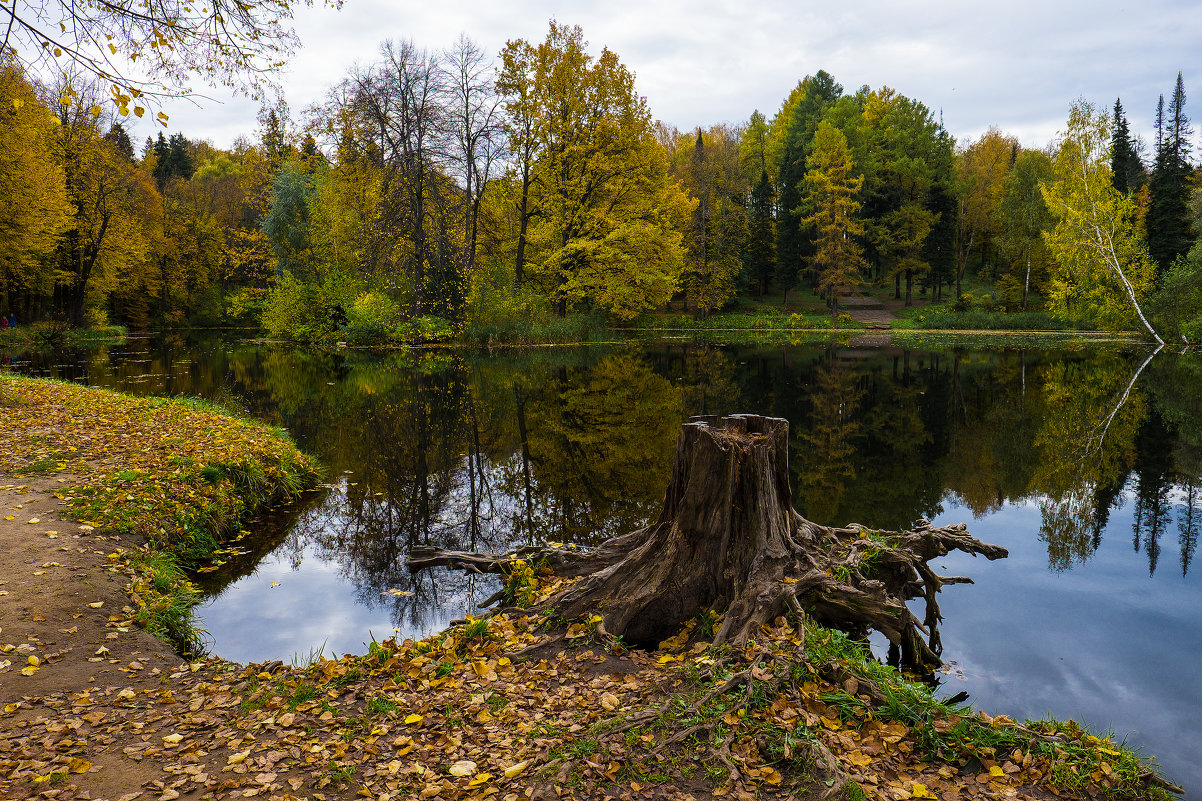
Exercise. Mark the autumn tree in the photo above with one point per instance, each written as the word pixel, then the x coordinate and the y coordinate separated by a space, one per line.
pixel 516 85
pixel 601 212
pixel 1103 270
pixel 34 209
pixel 828 199
pixel 403 100
pixel 981 171
pixel 155 48
pixel 477 142
pixel 105 244
pixel 1022 218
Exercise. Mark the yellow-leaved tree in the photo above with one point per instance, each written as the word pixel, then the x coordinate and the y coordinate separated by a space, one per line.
pixel 602 214
pixel 115 205
pixel 152 48
pixel 1102 268
pixel 829 201
pixel 33 194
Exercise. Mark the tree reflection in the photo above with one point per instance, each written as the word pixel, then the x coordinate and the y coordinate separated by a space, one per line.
pixel 822 458
pixel 600 448
pixel 1093 410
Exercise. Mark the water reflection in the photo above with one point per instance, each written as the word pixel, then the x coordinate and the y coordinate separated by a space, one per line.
pixel 1085 463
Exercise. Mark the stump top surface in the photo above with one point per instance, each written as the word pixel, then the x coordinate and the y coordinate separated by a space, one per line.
pixel 740 424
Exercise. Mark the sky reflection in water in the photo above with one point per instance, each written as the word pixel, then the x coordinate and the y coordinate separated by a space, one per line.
pixel 1037 450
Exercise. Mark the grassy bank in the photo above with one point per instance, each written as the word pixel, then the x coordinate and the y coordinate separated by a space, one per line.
pixel 183 475
pixel 51 335
pixel 801 711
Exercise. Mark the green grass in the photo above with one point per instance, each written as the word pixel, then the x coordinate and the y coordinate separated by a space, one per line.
pixel 944 318
pixel 164 598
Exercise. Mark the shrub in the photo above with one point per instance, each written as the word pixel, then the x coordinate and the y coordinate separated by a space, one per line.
pixel 371 318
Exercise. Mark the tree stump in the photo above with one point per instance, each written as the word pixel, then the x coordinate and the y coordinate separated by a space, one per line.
pixel 729 540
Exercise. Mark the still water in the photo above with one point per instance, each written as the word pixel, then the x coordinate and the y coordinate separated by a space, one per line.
pixel 1085 463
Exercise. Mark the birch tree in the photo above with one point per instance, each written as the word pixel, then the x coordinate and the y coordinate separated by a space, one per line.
pixel 1102 268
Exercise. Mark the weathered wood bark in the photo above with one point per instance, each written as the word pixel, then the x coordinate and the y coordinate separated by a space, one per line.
pixel 729 540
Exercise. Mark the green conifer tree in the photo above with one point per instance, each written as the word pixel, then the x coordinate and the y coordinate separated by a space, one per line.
pixel 794 246
pixel 1125 165
pixel 759 258
pixel 1169 234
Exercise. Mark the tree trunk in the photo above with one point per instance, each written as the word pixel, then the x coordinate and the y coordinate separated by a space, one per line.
pixel 729 541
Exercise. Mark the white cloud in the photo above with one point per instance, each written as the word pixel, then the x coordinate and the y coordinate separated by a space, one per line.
pixel 1017 66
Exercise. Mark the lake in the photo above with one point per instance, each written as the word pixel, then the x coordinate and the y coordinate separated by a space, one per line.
pixel 1084 461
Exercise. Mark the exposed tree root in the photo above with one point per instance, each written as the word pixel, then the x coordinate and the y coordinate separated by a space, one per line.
pixel 729 541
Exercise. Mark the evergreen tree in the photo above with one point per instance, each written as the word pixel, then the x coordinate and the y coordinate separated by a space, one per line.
pixel 1125 165
pixel 759 258
pixel 794 246
pixel 939 250
pixel 172 159
pixel 1169 234
pixel 118 136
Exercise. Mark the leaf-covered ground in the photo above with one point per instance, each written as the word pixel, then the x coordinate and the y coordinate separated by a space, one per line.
pixel 92 707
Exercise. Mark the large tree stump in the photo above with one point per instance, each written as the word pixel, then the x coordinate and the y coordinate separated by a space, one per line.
pixel 729 540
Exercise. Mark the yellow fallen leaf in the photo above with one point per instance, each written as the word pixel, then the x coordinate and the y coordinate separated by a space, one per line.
pixel 52 534
pixel 480 668
pixel 33 660
pixel 35 520
pixel 238 758
pixel 859 758
pixel 414 718
pixel 770 775
pixel 479 779
pixel 173 739
pixel 11 708
pixel 609 702
pixel 10 517
pixel 29 671
pixel 78 765
pixel 97 604
pixel 514 770
pixel 996 772
pixel 921 791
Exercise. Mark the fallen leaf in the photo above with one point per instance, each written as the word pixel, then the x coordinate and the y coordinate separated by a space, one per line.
pixel 514 770
pixel 464 767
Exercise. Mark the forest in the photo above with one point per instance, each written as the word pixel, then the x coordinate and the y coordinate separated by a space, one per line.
pixel 440 194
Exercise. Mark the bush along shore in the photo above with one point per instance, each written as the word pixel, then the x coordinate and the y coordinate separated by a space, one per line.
pixel 514 705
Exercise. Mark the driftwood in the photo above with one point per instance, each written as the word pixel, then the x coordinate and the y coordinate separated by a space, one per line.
pixel 730 541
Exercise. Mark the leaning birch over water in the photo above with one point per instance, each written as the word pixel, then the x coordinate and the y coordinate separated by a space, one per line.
pixel 1102 267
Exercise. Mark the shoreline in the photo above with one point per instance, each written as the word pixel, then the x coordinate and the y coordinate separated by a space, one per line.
pixel 111 712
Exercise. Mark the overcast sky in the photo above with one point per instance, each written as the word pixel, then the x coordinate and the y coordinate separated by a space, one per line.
pixel 1016 65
